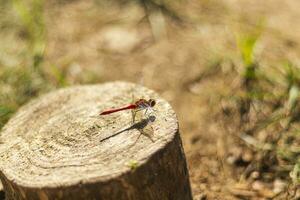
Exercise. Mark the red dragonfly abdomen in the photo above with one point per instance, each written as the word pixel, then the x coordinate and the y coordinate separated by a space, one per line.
pixel 132 106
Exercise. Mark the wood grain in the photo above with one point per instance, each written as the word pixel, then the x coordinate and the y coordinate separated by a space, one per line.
pixel 58 147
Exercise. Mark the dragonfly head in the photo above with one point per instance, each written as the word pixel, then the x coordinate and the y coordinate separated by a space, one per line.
pixel 152 102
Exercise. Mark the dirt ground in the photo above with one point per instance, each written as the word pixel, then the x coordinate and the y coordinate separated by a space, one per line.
pixel 118 42
pixel 171 54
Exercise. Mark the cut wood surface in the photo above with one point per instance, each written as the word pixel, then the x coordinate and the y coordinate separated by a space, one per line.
pixel 59 147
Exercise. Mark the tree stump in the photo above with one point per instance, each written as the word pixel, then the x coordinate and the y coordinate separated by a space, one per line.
pixel 59 147
pixel 1 192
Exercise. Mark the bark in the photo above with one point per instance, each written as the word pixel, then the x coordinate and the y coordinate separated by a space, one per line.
pixel 59 147
pixel 1 191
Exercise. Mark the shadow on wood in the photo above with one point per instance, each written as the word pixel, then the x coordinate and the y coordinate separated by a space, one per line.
pixel 59 147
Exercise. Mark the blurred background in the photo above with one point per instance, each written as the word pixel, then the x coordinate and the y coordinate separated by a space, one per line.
pixel 230 69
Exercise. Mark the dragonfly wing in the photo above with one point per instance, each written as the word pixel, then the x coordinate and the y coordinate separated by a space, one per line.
pixel 145 123
pixel 137 115
pixel 148 132
pixel 133 115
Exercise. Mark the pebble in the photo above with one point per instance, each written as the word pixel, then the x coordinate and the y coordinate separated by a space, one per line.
pixel 278 186
pixel 257 185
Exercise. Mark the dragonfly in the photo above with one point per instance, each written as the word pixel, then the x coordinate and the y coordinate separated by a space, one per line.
pixel 140 105
pixel 143 125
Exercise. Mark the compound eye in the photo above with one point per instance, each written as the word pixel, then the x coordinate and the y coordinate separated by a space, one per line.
pixel 152 102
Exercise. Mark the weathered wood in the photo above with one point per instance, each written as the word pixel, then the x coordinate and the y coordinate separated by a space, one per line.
pixel 58 147
pixel 1 192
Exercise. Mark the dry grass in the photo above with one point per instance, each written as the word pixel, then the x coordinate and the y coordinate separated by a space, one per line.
pixel 232 75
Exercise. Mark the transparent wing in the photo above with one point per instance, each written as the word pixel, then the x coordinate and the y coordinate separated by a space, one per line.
pixel 146 122
pixel 148 132
pixel 138 115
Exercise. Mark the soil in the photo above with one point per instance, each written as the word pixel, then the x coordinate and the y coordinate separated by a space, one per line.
pixel 176 54
pixel 176 57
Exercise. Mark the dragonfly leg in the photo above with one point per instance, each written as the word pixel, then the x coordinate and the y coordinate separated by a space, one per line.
pixel 146 112
pixel 133 114
pixel 138 138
